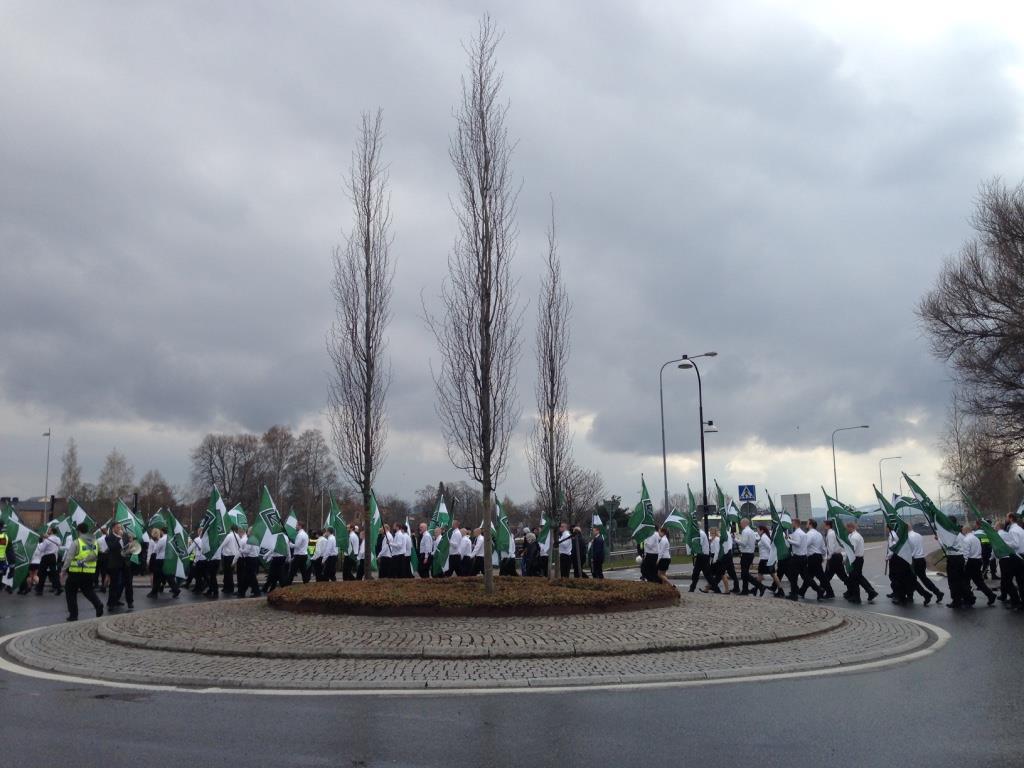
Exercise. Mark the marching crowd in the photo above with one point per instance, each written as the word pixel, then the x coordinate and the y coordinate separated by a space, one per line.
pixel 810 560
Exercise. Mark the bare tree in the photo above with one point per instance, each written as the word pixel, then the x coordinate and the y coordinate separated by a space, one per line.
pixel 363 273
pixel 549 449
pixel 116 477
pixel 154 493
pixel 310 472
pixel 975 315
pixel 71 472
pixel 230 462
pixel 584 489
pixel 276 447
pixel 477 329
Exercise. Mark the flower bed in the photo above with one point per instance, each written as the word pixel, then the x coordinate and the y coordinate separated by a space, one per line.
pixel 466 597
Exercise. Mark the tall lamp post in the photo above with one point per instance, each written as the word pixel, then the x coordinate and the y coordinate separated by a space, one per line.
pixel 46 483
pixel 835 476
pixel 700 407
pixel 661 399
pixel 881 486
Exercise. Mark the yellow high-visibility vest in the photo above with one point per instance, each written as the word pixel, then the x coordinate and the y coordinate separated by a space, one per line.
pixel 85 550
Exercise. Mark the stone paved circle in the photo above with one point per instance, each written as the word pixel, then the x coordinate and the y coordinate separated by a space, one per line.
pixel 252 628
pixel 78 649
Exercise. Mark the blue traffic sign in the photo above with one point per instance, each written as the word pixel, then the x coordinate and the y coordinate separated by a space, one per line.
pixel 747 493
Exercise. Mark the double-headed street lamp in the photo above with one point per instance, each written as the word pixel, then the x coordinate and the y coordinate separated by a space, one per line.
pixel 881 486
pixel 835 477
pixel 700 406
pixel 46 482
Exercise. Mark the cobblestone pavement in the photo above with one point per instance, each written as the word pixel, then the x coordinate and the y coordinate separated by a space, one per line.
pixel 252 628
pixel 77 649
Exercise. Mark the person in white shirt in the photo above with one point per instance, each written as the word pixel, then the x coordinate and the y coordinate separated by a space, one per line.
pixel 1016 542
pixel 766 561
pixel 361 557
pixel 715 548
pixel 48 548
pixel 1008 592
pixel 405 562
pixel 974 565
pixel 477 553
pixel 747 540
pixel 814 559
pixel 960 595
pixel 649 563
pixel 664 555
pixel 330 562
pixel 230 551
pixel 426 551
pixel 564 550
pixel 919 567
pixel 157 550
pixel 466 547
pixel 351 560
pixel 856 580
pixel 320 550
pixel 248 565
pixel 543 555
pixel 834 562
pixel 455 551
pixel 385 549
pixel 300 555
pixel 702 564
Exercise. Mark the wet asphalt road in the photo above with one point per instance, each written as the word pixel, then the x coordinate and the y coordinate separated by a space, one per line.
pixel 963 705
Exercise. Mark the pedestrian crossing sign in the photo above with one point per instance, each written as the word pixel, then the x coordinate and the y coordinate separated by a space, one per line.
pixel 747 493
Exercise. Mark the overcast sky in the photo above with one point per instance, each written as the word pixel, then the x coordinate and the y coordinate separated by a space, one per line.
pixel 775 181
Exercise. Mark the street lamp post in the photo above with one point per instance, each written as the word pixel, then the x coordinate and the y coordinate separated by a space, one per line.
pixel 661 399
pixel 46 483
pixel 881 486
pixel 915 474
pixel 700 407
pixel 835 476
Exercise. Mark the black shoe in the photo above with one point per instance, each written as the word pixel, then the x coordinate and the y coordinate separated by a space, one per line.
pixel 131 606
pixel 71 618
pixel 927 599
pixel 735 592
pixel 151 594
pixel 176 593
pixel 99 611
pixel 871 597
pixel 991 601
pixel 938 597
pixel 58 591
pixel 792 597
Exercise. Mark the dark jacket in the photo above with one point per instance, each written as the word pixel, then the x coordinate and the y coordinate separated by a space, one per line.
pixel 597 550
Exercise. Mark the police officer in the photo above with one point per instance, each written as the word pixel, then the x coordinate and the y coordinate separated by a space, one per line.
pixel 79 572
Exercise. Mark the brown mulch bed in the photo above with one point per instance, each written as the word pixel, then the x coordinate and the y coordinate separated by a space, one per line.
pixel 513 596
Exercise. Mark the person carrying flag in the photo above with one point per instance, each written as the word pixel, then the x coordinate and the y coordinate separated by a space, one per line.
pixel 857 580
pixel 834 564
pixel 596 555
pixel 974 564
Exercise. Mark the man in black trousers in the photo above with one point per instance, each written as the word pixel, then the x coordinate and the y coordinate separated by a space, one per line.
pixel 597 555
pixel 748 551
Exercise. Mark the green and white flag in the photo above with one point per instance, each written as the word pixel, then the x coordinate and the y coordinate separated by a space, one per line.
pixel 898 543
pixel 504 542
pixel 544 534
pixel 726 522
pixel 692 525
pixel 440 519
pixel 602 530
pixel 267 530
pixel 291 525
pixel 835 509
pixel 946 531
pixel 176 552
pixel 130 523
pixel 214 525
pixel 999 547
pixel 781 524
pixel 21 545
pixel 676 521
pixel 414 555
pixel 236 516
pixel 336 521
pixel 641 520
pixel 77 516
pixel 375 525
pixel 159 520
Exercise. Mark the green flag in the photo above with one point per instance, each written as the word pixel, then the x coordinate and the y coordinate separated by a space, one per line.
pixel 946 531
pixel 726 522
pixel 21 545
pixel 999 547
pixel 176 551
pixel 781 524
pixel 835 509
pixel 899 543
pixel 504 542
pixel 337 522
pixel 131 524
pixel 158 520
pixel 214 525
pixel 291 525
pixel 544 534
pixel 267 530
pixel 641 520
pixel 375 526
pixel 236 516
pixel 77 516
pixel 440 519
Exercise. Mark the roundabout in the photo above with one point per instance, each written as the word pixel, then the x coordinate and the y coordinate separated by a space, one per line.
pixel 246 646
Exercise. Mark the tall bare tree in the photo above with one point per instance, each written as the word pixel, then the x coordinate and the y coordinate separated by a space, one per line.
pixel 363 272
pixel 975 315
pixel 549 449
pixel 116 477
pixel 276 447
pixel 71 473
pixel 310 473
pixel 230 462
pixel 477 329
